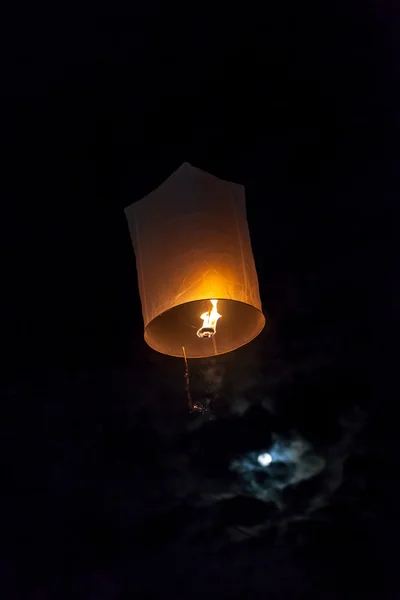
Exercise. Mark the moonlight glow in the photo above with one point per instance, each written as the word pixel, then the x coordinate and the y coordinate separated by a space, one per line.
pixel 264 459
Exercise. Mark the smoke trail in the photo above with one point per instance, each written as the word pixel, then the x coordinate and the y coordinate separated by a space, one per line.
pixel 210 381
pixel 213 376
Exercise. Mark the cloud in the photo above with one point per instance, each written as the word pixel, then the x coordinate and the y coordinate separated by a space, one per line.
pixel 293 460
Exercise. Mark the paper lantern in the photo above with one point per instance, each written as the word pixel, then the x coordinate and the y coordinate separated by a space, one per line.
pixel 192 247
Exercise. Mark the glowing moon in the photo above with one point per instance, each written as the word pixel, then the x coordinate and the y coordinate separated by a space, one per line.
pixel 264 459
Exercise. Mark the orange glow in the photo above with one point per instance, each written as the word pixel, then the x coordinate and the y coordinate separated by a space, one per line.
pixel 192 243
pixel 210 319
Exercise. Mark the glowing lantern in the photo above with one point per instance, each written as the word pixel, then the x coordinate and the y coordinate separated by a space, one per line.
pixel 195 265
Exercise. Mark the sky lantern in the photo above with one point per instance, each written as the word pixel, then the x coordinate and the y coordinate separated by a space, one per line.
pixel 197 278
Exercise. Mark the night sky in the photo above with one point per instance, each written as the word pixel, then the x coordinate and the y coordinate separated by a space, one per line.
pixel 110 487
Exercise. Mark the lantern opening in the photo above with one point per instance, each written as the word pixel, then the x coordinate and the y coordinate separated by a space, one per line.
pixel 210 319
pixel 178 326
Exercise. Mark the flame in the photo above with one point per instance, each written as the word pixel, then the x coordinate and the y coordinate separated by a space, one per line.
pixel 210 319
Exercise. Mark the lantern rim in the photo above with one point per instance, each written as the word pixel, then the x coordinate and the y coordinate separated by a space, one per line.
pixel 262 320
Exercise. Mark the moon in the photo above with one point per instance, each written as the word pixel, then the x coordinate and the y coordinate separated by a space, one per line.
pixel 264 459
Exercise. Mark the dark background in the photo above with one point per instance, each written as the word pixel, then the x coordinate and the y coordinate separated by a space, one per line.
pixel 110 487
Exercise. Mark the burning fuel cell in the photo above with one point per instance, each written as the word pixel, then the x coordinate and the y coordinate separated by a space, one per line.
pixel 209 319
pixel 193 248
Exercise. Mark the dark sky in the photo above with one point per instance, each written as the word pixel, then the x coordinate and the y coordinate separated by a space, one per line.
pixel 110 487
